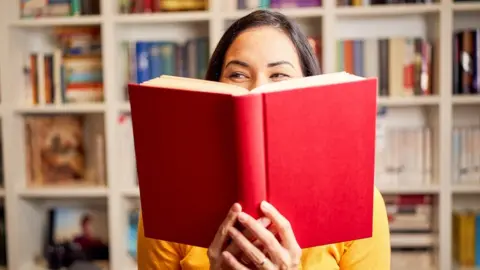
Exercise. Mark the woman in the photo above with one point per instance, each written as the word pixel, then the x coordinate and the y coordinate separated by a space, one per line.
pixel 265 47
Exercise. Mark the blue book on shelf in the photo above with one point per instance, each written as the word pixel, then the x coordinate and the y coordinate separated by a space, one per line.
pixel 142 52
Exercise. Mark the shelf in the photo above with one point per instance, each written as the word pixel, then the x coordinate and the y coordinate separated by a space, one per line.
pixel 178 17
pixel 131 193
pixel 409 101
pixel 382 10
pixel 458 267
pixel 466 6
pixel 67 108
pixel 296 13
pixel 58 21
pixel 466 99
pixel 434 189
pixel 64 192
pixel 466 189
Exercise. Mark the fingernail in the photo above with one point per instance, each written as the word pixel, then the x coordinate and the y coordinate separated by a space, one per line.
pixel 242 216
pixel 265 205
pixel 236 207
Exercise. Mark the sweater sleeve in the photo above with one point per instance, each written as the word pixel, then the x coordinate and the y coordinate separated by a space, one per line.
pixel 371 253
pixel 155 254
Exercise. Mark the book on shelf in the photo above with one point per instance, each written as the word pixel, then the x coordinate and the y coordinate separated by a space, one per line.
pixel 403 156
pixel 466 155
pixel 404 66
pixel 290 143
pixel 466 62
pixel 466 237
pixel 58 8
pixel 70 71
pixel 232 5
pixel 145 60
pixel 411 220
pixel 149 6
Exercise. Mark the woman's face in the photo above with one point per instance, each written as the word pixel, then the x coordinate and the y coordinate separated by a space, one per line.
pixel 258 56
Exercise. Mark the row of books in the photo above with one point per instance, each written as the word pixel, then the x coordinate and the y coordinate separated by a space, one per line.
pixel 380 2
pixel 149 6
pixel 410 219
pixel 466 237
pixel 466 62
pixel 58 8
pixel 466 155
pixel 145 60
pixel 405 159
pixel 232 5
pixel 403 65
pixel 71 72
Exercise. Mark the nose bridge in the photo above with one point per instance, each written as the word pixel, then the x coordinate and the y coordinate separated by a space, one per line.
pixel 259 80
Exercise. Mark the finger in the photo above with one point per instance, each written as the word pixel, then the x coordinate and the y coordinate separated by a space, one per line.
pixel 268 239
pixel 233 248
pixel 222 232
pixel 254 255
pixel 244 258
pixel 281 224
pixel 232 261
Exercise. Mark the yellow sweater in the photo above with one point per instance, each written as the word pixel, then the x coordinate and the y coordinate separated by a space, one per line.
pixel 366 254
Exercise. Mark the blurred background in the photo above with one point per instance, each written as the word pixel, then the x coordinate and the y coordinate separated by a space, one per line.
pixel 68 184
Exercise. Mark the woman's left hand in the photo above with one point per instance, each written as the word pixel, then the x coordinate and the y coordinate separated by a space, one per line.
pixel 283 254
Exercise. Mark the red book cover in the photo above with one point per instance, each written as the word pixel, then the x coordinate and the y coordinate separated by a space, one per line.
pixel 305 145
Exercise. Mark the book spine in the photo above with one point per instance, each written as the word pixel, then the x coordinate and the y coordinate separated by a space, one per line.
pixel 251 153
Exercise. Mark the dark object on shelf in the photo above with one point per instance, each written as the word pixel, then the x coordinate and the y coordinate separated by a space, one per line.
pixel 63 255
pixel 83 265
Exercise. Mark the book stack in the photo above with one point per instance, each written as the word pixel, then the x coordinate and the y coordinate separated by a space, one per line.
pixel 466 62
pixel 149 6
pixel 403 156
pixel 466 155
pixel 70 72
pixel 58 8
pixel 411 227
pixel 404 66
pixel 466 237
pixel 146 60
pixel 380 2
pixel 253 4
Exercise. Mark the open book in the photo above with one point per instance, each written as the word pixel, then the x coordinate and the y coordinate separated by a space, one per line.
pixel 305 145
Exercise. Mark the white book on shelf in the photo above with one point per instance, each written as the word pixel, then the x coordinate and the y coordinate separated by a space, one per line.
pixel 419 154
pixel 427 175
pixel 456 153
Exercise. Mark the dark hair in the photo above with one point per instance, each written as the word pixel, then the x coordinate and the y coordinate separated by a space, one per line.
pixel 308 60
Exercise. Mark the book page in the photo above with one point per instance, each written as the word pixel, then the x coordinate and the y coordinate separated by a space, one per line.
pixel 318 80
pixel 190 84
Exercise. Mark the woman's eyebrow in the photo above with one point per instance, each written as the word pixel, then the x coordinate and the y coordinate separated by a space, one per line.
pixel 279 63
pixel 237 62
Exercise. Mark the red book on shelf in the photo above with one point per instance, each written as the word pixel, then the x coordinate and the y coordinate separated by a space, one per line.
pixel 305 145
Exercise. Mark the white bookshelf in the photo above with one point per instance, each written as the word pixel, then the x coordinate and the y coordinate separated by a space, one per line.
pixel 25 207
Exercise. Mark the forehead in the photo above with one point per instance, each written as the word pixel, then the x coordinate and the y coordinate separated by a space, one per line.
pixel 262 44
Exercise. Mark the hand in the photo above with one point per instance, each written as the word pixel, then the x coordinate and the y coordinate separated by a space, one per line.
pixel 283 254
pixel 219 242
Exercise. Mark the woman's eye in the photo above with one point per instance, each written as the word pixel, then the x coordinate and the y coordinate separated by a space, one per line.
pixel 237 75
pixel 279 76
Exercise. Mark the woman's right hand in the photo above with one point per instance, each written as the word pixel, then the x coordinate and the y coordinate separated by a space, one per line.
pixel 218 244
